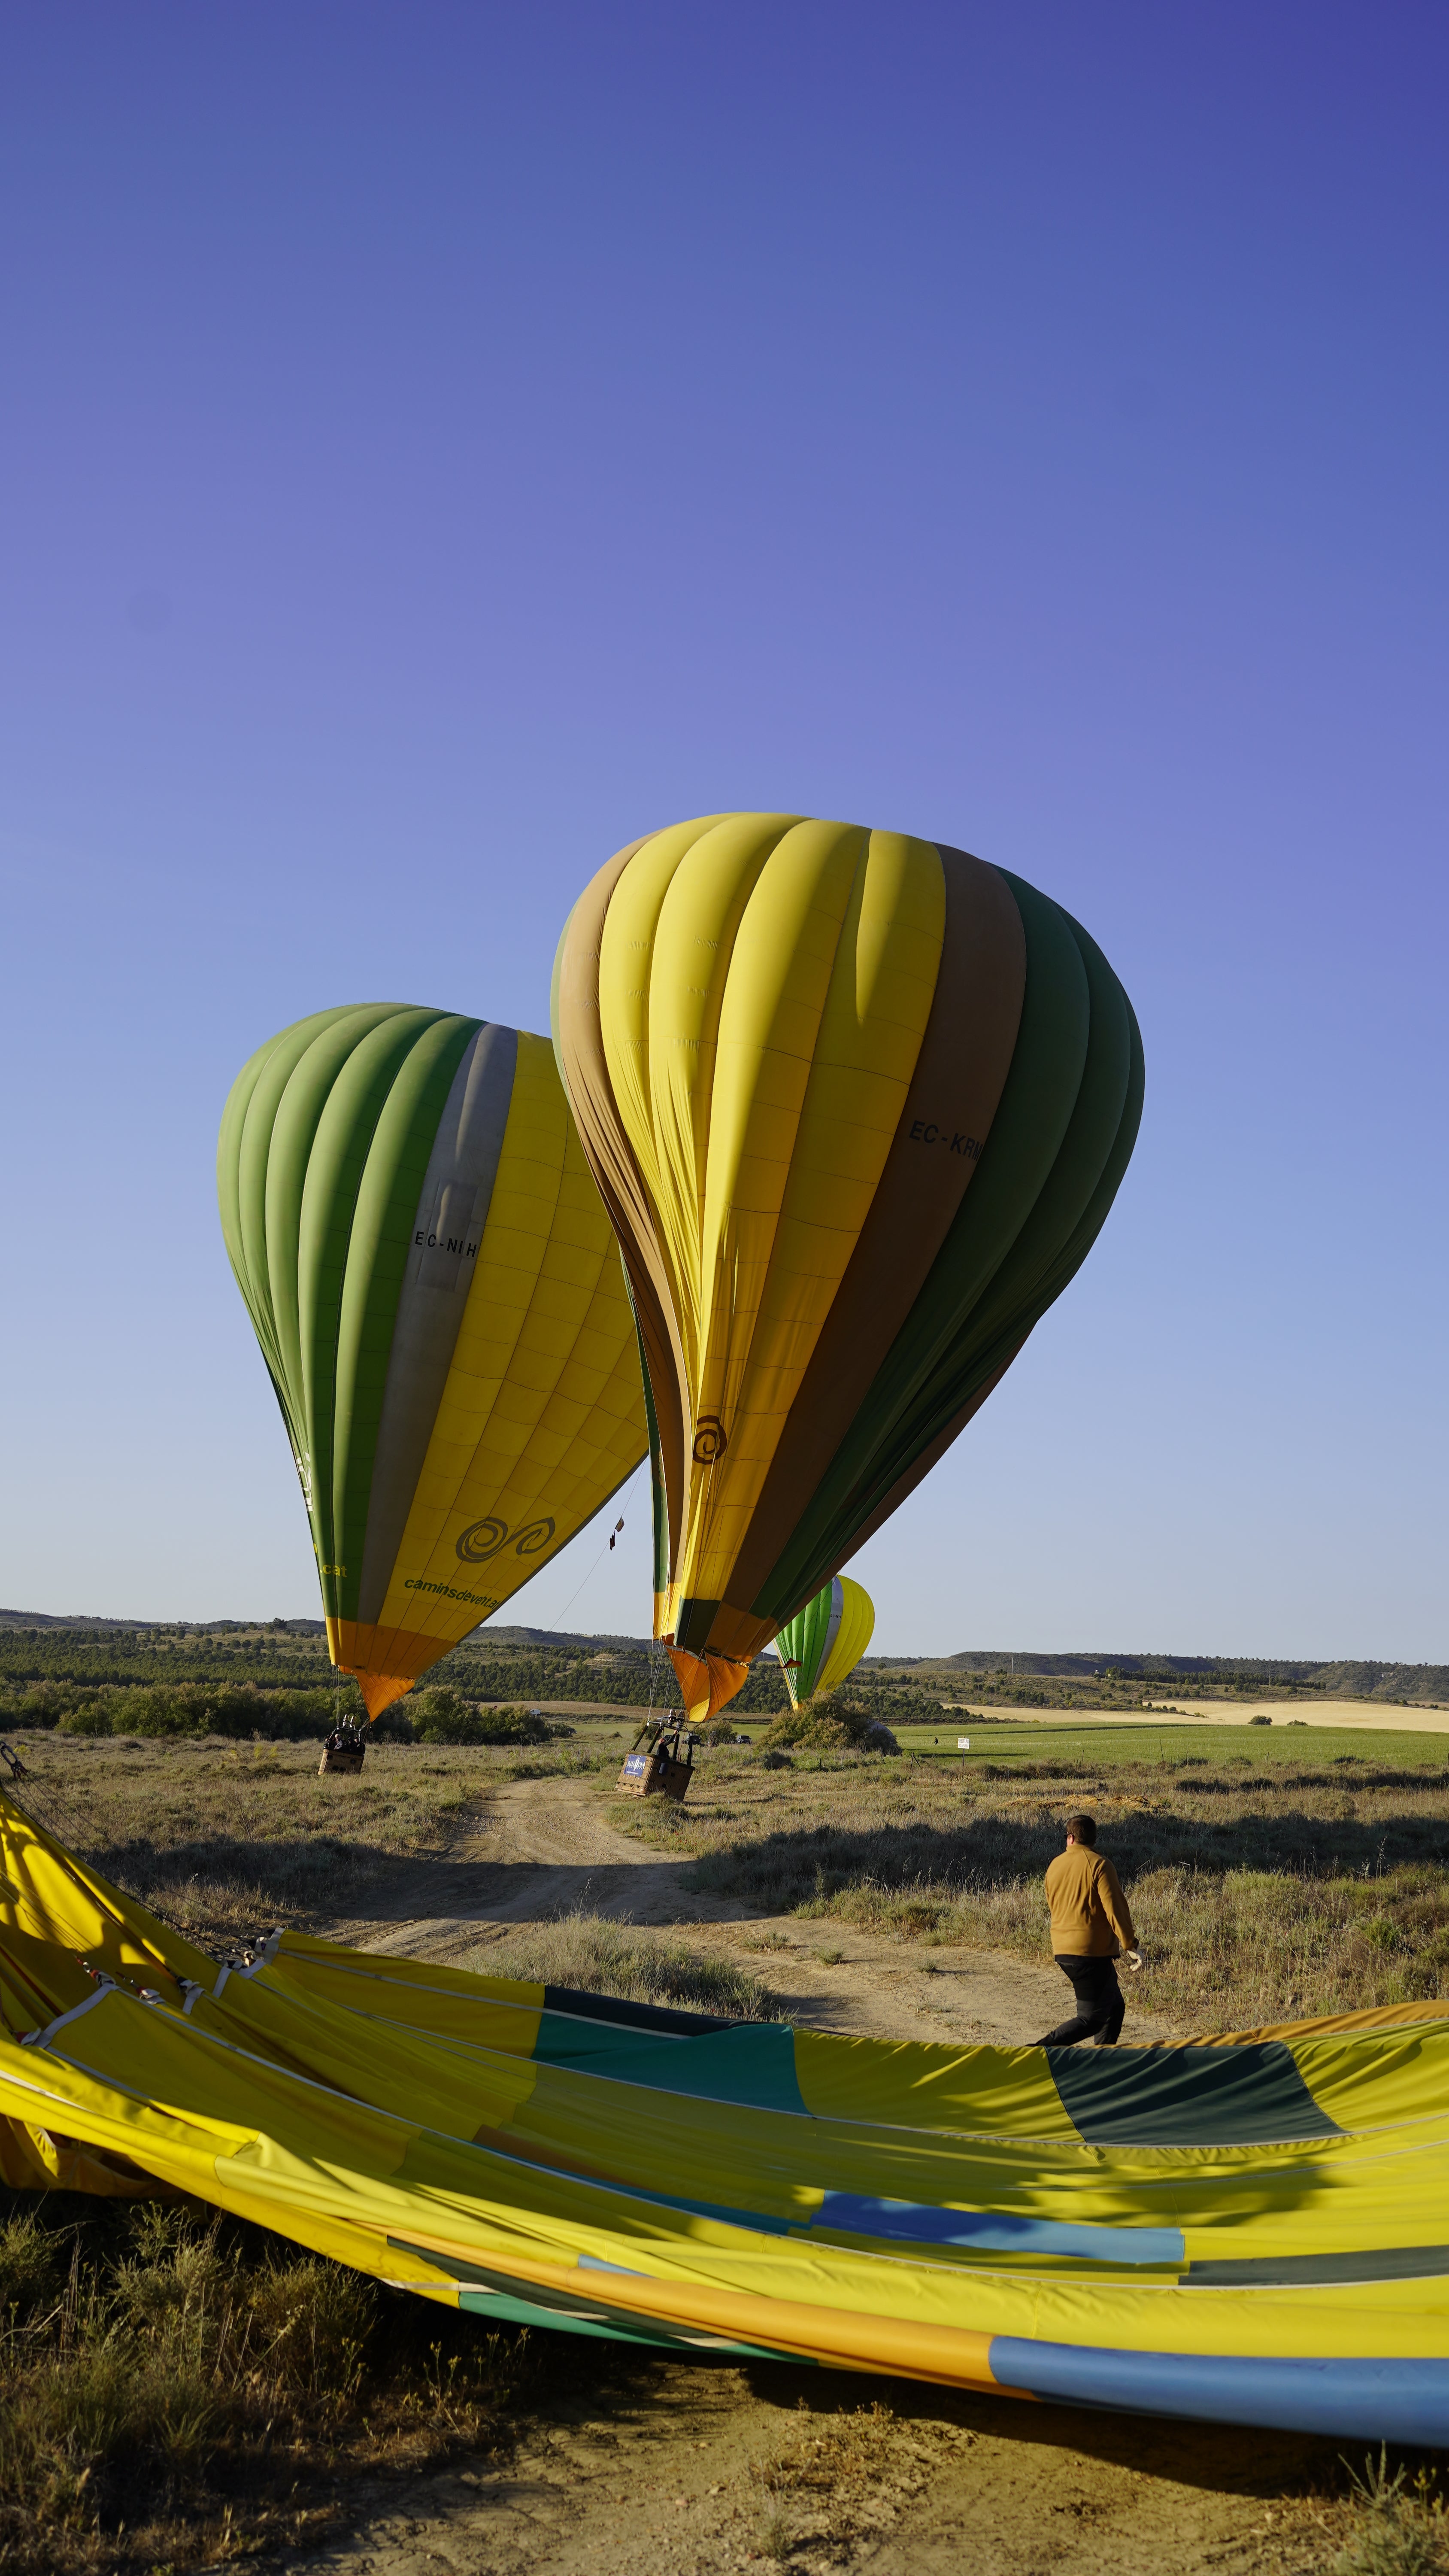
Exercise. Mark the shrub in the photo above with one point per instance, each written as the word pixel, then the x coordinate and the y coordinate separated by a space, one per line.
pixel 840 1722
pixel 594 1956
pixel 199 1708
pixel 443 1716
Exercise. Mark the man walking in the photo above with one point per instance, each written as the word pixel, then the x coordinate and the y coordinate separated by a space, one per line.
pixel 1090 1927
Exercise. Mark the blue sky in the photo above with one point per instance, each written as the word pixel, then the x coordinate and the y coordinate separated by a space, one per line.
pixel 440 443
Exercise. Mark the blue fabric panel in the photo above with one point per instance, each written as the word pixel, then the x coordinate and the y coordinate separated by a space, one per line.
pixel 923 2223
pixel 1376 2401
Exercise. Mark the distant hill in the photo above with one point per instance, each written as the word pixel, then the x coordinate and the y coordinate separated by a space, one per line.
pixel 91 1648
pixel 93 1624
pixel 1251 1673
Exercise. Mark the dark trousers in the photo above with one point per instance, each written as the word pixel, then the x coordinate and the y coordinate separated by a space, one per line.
pixel 1099 2004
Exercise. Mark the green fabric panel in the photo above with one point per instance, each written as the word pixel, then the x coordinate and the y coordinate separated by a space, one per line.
pixel 611 2325
pixel 286 1111
pixel 803 1638
pixel 657 1495
pixel 244 1166
pixel 243 1151
pixel 378 1243
pixel 1058 1235
pixel 1026 1136
pixel 1248 2096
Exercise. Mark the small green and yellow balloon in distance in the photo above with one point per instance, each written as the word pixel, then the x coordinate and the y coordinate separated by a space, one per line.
pixel 821 1646
pixel 437 1292
pixel 858 1104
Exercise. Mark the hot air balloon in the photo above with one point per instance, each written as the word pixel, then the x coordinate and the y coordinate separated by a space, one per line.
pixel 437 1293
pixel 822 1645
pixel 858 1105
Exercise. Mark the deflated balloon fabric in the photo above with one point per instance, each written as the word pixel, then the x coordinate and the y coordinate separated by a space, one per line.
pixel 1243 2227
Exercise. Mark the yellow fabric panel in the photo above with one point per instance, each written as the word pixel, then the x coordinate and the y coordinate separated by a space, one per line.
pixel 857 1627
pixel 665 954
pixel 999 2092
pixel 764 988
pixel 1377 2078
pixel 773 1005
pixel 1373 2017
pixel 450 2003
pixel 55 1899
pixel 542 1416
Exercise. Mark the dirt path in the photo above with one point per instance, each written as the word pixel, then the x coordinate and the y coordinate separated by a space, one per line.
pixel 701 2472
pixel 544 1848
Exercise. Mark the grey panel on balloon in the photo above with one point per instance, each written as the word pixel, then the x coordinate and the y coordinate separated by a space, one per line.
pixel 447 1230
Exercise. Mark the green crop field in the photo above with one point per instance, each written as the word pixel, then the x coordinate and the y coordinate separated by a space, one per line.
pixel 1079 1748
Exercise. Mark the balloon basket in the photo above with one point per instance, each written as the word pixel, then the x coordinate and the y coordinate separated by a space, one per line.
pixel 344 1750
pixel 660 1762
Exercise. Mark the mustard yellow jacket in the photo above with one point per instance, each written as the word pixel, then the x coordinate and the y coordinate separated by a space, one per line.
pixel 1089 1911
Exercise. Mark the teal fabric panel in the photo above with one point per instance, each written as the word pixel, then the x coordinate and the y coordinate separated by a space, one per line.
pixel 752 2064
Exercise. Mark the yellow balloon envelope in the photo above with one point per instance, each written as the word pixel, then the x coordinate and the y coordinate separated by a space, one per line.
pixel 858 1105
pixel 437 1293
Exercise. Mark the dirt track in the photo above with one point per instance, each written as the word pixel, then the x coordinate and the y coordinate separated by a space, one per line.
pixel 544 1848
pixel 704 2472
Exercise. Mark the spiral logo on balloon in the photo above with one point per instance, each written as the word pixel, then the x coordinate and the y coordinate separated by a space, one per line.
pixel 485 1538
pixel 480 1540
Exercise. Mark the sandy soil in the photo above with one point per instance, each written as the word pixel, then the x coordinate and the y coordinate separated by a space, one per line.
pixel 695 2472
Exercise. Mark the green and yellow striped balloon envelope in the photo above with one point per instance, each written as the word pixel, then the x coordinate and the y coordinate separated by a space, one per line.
pixel 858 1105
pixel 821 1646
pixel 437 1293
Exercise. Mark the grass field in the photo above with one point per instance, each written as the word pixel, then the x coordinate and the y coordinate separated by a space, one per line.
pixel 1170 1741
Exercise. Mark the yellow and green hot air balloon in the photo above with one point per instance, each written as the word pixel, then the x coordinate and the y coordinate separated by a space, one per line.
pixel 436 1289
pixel 821 1646
pixel 858 1105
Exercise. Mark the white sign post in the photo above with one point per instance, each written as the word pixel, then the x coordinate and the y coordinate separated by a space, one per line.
pixel 963 1747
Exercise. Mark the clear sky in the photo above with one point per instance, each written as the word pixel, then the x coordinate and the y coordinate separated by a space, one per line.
pixel 439 443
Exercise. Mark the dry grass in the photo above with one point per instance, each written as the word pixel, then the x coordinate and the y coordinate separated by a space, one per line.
pixel 1260 1894
pixel 179 2390
pixel 221 1838
pixel 596 1956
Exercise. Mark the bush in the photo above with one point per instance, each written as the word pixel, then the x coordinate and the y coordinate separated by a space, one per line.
pixel 594 1956
pixel 184 1709
pixel 1260 1721
pixel 394 1726
pixel 443 1716
pixel 840 1722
